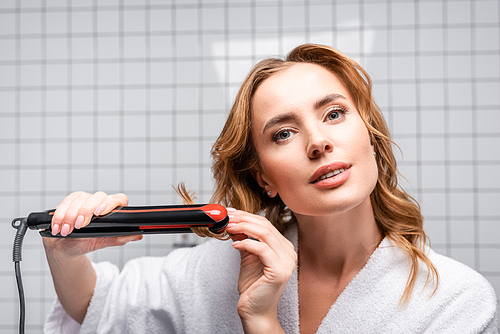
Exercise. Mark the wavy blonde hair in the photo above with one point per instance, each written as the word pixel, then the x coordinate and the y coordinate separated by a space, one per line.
pixel 201 231
pixel 234 156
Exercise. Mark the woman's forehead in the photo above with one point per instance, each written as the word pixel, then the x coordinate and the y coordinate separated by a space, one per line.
pixel 299 85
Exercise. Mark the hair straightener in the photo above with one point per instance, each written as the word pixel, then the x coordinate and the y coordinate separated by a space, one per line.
pixel 128 220
pixel 131 220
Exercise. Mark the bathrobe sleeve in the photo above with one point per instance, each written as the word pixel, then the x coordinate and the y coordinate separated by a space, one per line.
pixel 192 290
pixel 58 321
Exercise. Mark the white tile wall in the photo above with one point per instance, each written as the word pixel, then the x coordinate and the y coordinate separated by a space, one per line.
pixel 128 95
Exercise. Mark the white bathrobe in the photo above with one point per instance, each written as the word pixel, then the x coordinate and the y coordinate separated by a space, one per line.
pixel 194 290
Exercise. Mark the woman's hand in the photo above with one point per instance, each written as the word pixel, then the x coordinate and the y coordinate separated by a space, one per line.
pixel 267 263
pixel 76 211
pixel 73 274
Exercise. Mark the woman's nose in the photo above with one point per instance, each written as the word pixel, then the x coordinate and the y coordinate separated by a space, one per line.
pixel 319 143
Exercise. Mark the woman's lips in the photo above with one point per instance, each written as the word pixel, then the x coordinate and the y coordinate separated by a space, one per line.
pixel 331 175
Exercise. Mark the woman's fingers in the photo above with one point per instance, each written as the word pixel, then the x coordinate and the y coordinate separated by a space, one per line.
pixel 104 242
pixel 120 241
pixel 281 268
pixel 259 228
pixel 274 251
pixel 78 208
pixel 65 215
pixel 100 204
pixel 80 211
pixel 242 216
pixel 73 247
pixel 265 237
pixel 86 210
pixel 267 262
pixel 109 203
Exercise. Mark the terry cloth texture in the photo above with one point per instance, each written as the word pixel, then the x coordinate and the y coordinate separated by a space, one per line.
pixel 194 290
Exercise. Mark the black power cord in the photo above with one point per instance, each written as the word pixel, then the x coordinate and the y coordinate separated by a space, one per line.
pixel 21 225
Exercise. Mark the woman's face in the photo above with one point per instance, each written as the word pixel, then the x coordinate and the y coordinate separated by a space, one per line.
pixel 313 147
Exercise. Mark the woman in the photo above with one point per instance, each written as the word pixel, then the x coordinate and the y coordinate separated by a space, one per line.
pixel 341 248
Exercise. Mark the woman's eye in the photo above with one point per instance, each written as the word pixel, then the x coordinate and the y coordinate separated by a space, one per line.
pixel 282 135
pixel 336 113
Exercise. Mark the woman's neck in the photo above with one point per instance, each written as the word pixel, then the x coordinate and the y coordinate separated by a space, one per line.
pixel 338 246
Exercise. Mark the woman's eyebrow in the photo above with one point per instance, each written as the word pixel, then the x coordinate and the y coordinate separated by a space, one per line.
pixel 327 99
pixel 278 119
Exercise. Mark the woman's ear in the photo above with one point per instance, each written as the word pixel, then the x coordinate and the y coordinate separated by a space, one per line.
pixel 372 141
pixel 263 183
pixel 258 177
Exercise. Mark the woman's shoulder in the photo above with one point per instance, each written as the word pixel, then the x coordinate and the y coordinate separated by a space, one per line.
pixel 459 286
pixel 455 275
pixel 463 288
pixel 463 300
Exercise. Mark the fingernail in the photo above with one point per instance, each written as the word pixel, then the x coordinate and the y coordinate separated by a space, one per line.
pixel 100 209
pixel 235 242
pixel 65 230
pixel 230 216
pixel 231 225
pixel 230 209
pixel 79 222
pixel 55 229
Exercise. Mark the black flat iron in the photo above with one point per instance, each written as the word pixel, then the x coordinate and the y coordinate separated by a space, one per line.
pixel 132 220
pixel 127 220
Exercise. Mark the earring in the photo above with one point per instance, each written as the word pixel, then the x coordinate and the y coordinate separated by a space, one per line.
pixel 374 153
pixel 269 193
